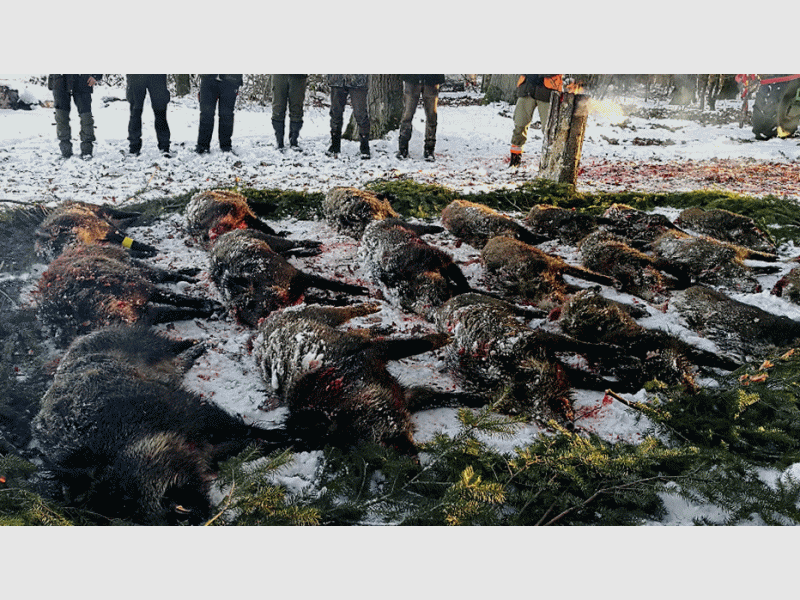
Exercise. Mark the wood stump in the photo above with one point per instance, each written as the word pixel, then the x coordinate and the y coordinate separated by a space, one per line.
pixel 563 137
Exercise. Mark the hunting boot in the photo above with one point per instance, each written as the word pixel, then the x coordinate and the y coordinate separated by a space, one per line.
pixel 336 143
pixel 63 133
pixel 364 138
pixel 516 159
pixel 428 152
pixel 87 134
pixel 294 134
pixel 279 127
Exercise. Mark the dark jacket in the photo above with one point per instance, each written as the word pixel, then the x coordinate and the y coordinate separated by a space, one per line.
pixel 350 81
pixel 237 80
pixel 536 86
pixel 74 84
pixel 424 79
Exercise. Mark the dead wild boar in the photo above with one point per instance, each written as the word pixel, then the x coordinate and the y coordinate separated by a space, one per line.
pixel 708 261
pixel 122 437
pixel 80 222
pixel 653 354
pixel 636 227
pixel 88 287
pixel 527 274
pixel 788 286
pixel 727 226
pixel 555 223
pixel 211 213
pixel 413 275
pixel 349 210
pixel 637 273
pixel 742 331
pixel 336 383
pixel 475 224
pixel 254 280
pixel 494 353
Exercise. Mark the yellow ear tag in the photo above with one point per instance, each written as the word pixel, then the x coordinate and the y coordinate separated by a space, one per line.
pixel 127 242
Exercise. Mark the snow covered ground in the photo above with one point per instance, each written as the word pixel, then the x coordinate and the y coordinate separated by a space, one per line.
pixel 471 154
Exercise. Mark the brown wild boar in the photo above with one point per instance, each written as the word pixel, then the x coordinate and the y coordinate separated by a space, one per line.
pixel 80 222
pixel 741 331
pixel 336 383
pixel 517 367
pixel 475 224
pixel 413 275
pixel 210 214
pixel 254 280
pixel 526 274
pixel 122 437
pixel 727 226
pixel 88 287
pixel 653 354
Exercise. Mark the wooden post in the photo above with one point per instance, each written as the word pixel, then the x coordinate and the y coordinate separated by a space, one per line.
pixel 563 137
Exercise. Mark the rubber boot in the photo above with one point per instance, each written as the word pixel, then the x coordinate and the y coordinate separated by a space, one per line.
pixel 428 153
pixel 402 151
pixel 279 127
pixel 87 134
pixel 336 143
pixel 294 134
pixel 364 146
pixel 64 133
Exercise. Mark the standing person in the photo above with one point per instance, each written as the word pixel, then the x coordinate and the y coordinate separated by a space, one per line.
pixel 533 91
pixel 288 90
pixel 222 90
pixel 413 87
pixel 136 89
pixel 354 86
pixel 78 89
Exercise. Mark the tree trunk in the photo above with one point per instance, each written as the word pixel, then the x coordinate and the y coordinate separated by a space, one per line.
pixel 498 88
pixel 385 107
pixel 563 137
pixel 182 84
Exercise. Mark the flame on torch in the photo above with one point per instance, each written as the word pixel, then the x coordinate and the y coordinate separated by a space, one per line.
pixel 610 110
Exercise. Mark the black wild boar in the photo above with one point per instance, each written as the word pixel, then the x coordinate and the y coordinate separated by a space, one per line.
pixel 254 280
pixel 740 330
pixel 653 354
pixel 412 274
pixel 80 222
pixel 475 224
pixel 728 227
pixel 637 273
pixel 494 353
pixel 210 214
pixel 335 382
pixel 122 437
pixel 349 210
pixel 708 261
pixel 636 227
pixel 788 286
pixel 88 287
pixel 527 274
pixel 555 223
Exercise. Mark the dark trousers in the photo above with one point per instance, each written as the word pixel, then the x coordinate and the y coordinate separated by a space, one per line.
pixel 82 100
pixel 288 90
pixel 430 100
pixel 358 100
pixel 138 86
pixel 215 92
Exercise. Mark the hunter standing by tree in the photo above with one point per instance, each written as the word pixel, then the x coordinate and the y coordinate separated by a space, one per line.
pixel 533 91
pixel 222 90
pixel 355 86
pixel 288 90
pixel 67 89
pixel 137 87
pixel 413 87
